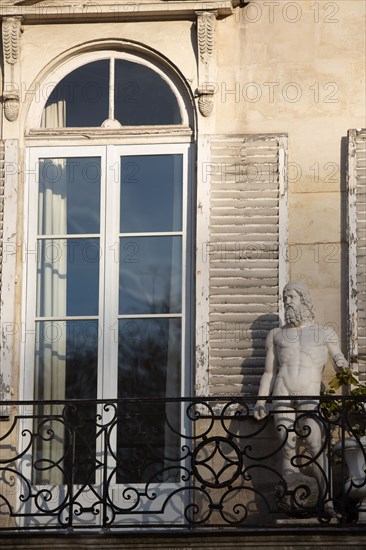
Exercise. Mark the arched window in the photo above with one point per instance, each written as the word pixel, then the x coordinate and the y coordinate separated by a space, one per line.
pixel 107 91
pixel 111 223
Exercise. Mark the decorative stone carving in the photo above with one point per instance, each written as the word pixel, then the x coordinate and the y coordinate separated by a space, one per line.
pixel 11 107
pixel 206 99
pixel 11 39
pixel 206 35
pixel 11 31
pixel 206 104
pixel 206 27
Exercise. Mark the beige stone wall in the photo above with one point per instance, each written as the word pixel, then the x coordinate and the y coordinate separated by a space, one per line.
pixel 298 67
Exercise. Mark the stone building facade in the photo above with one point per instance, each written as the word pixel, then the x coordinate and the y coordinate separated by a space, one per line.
pixel 258 107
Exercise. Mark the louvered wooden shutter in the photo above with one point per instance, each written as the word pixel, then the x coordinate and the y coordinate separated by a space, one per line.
pixel 357 248
pixel 247 256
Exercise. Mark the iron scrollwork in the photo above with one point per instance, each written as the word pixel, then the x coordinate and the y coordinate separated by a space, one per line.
pixel 182 463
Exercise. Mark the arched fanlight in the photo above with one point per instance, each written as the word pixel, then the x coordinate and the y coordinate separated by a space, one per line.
pixel 111 93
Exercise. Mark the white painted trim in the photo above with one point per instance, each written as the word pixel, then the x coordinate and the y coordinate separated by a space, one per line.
pixel 202 265
pixel 8 269
pixel 283 258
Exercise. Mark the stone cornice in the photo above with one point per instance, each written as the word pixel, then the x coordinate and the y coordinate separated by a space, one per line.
pixel 70 11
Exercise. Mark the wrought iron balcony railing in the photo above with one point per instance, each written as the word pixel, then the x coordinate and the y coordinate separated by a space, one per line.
pixel 182 463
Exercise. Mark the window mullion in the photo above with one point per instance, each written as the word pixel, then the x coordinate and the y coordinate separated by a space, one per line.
pixel 109 319
pixel 111 87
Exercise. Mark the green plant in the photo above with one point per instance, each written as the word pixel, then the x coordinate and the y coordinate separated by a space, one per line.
pixel 347 379
pixel 355 410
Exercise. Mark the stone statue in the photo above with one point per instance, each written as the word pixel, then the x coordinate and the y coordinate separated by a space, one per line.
pixel 296 355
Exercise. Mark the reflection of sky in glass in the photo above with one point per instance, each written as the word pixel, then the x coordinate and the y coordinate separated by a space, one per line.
pixel 149 357
pixel 86 94
pixel 82 359
pixel 69 187
pixel 83 277
pixel 68 268
pixel 151 278
pixel 83 195
pixel 143 97
pixel 151 193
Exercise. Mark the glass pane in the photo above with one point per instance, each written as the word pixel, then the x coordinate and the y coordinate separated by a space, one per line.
pixel 149 357
pixel 142 97
pixel 80 99
pixel 68 277
pixel 66 368
pixel 149 364
pixel 150 275
pixel 151 193
pixel 69 196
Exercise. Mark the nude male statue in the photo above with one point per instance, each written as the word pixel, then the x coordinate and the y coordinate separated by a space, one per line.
pixel 296 355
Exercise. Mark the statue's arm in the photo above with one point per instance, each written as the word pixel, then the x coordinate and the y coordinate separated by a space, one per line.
pixel 338 359
pixel 268 378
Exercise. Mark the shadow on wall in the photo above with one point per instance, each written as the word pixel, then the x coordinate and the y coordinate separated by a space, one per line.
pixel 252 366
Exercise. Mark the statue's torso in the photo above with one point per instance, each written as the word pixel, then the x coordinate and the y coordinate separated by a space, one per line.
pixel 301 354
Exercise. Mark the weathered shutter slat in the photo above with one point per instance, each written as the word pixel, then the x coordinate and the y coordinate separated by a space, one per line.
pixel 247 251
pixel 357 249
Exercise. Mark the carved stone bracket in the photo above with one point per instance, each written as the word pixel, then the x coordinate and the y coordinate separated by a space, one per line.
pixel 11 33
pixel 206 99
pixel 11 106
pixel 206 42
pixel 206 35
pixel 11 39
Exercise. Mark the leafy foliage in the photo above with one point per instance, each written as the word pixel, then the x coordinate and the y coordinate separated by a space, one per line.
pixel 346 378
pixel 355 410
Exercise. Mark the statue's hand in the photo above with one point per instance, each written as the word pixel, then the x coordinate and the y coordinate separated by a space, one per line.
pixel 260 410
pixel 340 362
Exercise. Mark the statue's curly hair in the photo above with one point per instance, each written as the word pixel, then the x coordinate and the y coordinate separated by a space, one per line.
pixel 307 302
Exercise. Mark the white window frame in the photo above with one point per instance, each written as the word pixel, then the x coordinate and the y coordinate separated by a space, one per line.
pixel 108 352
pixel 110 156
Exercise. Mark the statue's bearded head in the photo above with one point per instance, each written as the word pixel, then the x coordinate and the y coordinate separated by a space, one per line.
pixel 299 308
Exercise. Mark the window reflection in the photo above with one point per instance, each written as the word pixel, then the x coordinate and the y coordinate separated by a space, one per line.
pixel 142 97
pixel 69 196
pixel 151 193
pixel 149 357
pixel 68 277
pixel 66 368
pixel 83 97
pixel 80 99
pixel 148 365
pixel 150 275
